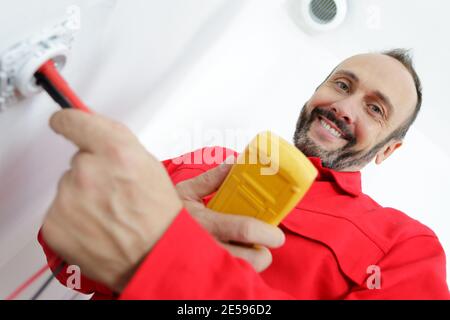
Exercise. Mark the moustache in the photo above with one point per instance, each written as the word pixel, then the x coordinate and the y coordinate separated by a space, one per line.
pixel 347 134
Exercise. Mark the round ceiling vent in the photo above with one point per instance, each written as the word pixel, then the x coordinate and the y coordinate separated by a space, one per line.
pixel 323 15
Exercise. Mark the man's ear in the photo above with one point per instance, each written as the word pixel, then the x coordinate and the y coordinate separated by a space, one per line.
pixel 389 149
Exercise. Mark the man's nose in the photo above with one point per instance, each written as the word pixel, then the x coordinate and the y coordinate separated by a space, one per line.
pixel 345 110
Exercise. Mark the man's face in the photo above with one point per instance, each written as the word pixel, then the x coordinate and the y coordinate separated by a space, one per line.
pixel 348 120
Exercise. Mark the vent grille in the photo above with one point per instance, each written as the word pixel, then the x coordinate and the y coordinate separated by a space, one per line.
pixel 323 11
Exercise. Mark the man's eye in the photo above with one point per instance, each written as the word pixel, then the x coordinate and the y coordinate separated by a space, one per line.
pixel 342 85
pixel 376 109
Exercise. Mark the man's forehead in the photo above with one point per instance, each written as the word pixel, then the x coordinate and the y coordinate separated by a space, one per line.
pixel 378 72
pixel 378 69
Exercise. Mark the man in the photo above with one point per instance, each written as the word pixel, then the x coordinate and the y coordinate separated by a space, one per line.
pixel 135 236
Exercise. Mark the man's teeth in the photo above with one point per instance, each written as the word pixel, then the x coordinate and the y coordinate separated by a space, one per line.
pixel 330 129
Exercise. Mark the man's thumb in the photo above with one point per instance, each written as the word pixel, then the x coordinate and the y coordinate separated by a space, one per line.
pixel 206 183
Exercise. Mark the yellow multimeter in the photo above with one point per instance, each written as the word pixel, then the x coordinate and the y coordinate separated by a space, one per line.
pixel 267 180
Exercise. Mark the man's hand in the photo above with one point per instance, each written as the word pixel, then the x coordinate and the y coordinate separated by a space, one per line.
pixel 244 237
pixel 113 204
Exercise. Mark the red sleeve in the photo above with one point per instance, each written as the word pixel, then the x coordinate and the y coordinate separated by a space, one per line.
pixel 181 168
pixel 187 263
pixel 413 269
pixel 87 286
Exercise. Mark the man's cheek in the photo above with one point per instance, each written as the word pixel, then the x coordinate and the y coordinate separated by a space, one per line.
pixel 363 137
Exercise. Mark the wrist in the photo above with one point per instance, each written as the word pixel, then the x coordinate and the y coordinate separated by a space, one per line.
pixel 119 280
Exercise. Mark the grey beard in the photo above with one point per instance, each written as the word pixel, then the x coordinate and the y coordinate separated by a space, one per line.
pixel 339 159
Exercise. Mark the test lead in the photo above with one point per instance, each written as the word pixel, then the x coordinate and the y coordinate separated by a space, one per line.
pixel 49 78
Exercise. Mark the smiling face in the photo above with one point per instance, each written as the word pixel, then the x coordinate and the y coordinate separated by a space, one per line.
pixel 349 119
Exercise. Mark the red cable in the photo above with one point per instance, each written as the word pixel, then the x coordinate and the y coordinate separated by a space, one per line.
pixel 27 283
pixel 50 71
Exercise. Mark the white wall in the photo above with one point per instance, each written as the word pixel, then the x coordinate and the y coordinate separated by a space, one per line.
pixel 188 73
pixel 120 57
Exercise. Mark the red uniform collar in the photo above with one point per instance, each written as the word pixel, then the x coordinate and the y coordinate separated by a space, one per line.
pixel 350 182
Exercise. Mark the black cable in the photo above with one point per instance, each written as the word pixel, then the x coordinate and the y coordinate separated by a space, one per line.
pixel 60 99
pixel 46 84
pixel 44 286
pixel 42 81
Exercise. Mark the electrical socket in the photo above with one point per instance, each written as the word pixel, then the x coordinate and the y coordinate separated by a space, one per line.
pixel 19 63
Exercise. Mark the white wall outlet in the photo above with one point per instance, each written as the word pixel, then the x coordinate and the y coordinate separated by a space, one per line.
pixel 19 63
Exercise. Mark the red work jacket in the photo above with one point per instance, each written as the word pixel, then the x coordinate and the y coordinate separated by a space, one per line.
pixel 340 244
